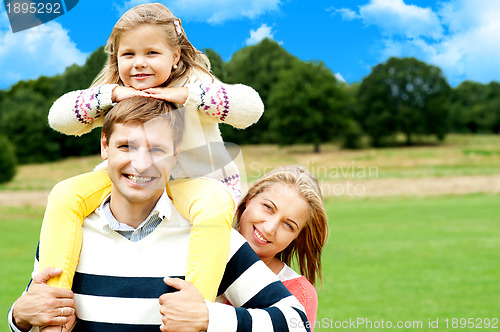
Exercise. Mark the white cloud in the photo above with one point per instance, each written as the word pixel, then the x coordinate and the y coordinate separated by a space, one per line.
pixel 42 50
pixel 346 13
pixel 214 11
pixel 394 17
pixel 459 36
pixel 340 78
pixel 264 31
pixel 472 50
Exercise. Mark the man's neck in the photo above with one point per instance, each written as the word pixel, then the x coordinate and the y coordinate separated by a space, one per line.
pixel 132 214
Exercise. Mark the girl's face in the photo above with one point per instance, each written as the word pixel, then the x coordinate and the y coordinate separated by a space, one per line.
pixel 144 58
pixel 273 219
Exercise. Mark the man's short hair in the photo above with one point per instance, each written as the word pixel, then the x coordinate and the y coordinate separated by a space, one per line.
pixel 141 110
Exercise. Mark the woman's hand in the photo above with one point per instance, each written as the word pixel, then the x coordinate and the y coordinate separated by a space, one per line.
pixel 174 95
pixel 184 310
pixel 120 93
pixel 43 305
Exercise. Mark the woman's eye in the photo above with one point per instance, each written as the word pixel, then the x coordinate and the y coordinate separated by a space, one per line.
pixel 268 207
pixel 289 225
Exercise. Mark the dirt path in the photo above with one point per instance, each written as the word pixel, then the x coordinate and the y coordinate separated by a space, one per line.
pixel 367 188
pixel 22 198
pixel 414 186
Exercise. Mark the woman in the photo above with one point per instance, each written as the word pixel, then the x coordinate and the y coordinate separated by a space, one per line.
pixel 283 217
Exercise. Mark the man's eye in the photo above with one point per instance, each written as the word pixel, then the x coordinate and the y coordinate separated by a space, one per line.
pixel 124 147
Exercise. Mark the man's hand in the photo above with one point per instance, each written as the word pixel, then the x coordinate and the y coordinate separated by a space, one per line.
pixel 174 95
pixel 184 310
pixel 43 305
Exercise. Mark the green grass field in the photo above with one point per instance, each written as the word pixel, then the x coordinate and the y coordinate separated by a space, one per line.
pixel 398 259
pixel 393 259
pixel 412 260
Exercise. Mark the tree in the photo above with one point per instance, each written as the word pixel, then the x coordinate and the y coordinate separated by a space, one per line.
pixel 24 121
pixel 475 107
pixel 306 105
pixel 216 63
pixel 464 98
pixel 257 66
pixel 77 77
pixel 404 96
pixel 8 161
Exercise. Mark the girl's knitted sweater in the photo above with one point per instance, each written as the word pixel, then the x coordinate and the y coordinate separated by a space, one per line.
pixel 202 151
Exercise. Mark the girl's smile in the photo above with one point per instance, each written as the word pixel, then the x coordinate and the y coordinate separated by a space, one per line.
pixel 144 58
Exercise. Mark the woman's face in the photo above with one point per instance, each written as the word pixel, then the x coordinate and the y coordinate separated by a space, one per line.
pixel 273 219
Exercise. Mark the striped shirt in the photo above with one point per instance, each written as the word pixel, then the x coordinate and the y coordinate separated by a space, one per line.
pixel 118 282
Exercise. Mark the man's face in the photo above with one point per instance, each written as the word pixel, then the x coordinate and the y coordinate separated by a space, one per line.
pixel 140 159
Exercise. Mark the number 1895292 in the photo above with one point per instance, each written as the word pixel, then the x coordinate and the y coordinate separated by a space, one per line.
pixel 34 8
pixel 471 323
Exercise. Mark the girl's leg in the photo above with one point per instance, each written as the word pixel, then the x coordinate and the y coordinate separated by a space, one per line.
pixel 210 209
pixel 70 201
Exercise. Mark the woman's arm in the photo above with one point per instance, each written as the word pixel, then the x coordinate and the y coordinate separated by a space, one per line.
pixel 259 298
pixel 305 292
pixel 261 302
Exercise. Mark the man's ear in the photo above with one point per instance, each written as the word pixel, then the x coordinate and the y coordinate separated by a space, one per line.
pixel 104 147
pixel 176 155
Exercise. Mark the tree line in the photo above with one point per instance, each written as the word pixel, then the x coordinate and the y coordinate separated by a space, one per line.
pixel 304 103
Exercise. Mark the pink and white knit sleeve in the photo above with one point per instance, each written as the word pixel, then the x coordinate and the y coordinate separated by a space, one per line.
pixel 78 112
pixel 235 104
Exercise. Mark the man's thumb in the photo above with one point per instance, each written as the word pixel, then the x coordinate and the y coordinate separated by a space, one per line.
pixel 176 283
pixel 46 274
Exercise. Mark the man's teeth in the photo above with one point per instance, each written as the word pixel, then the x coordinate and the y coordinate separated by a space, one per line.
pixel 257 234
pixel 139 179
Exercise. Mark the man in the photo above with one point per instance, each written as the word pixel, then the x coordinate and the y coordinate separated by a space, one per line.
pixel 137 237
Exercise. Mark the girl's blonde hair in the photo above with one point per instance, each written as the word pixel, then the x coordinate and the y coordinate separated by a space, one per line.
pixel 306 248
pixel 171 29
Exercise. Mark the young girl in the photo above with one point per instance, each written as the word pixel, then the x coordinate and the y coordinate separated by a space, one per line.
pixel 150 55
pixel 283 217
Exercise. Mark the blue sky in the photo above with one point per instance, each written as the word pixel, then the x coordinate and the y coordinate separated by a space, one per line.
pixel 462 37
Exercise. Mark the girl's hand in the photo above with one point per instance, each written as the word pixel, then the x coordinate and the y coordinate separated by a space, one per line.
pixel 174 95
pixel 120 93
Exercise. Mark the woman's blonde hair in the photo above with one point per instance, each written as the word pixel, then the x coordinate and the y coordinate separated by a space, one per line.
pixel 306 248
pixel 171 29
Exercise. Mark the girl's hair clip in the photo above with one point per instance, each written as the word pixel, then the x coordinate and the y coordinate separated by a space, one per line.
pixel 178 27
